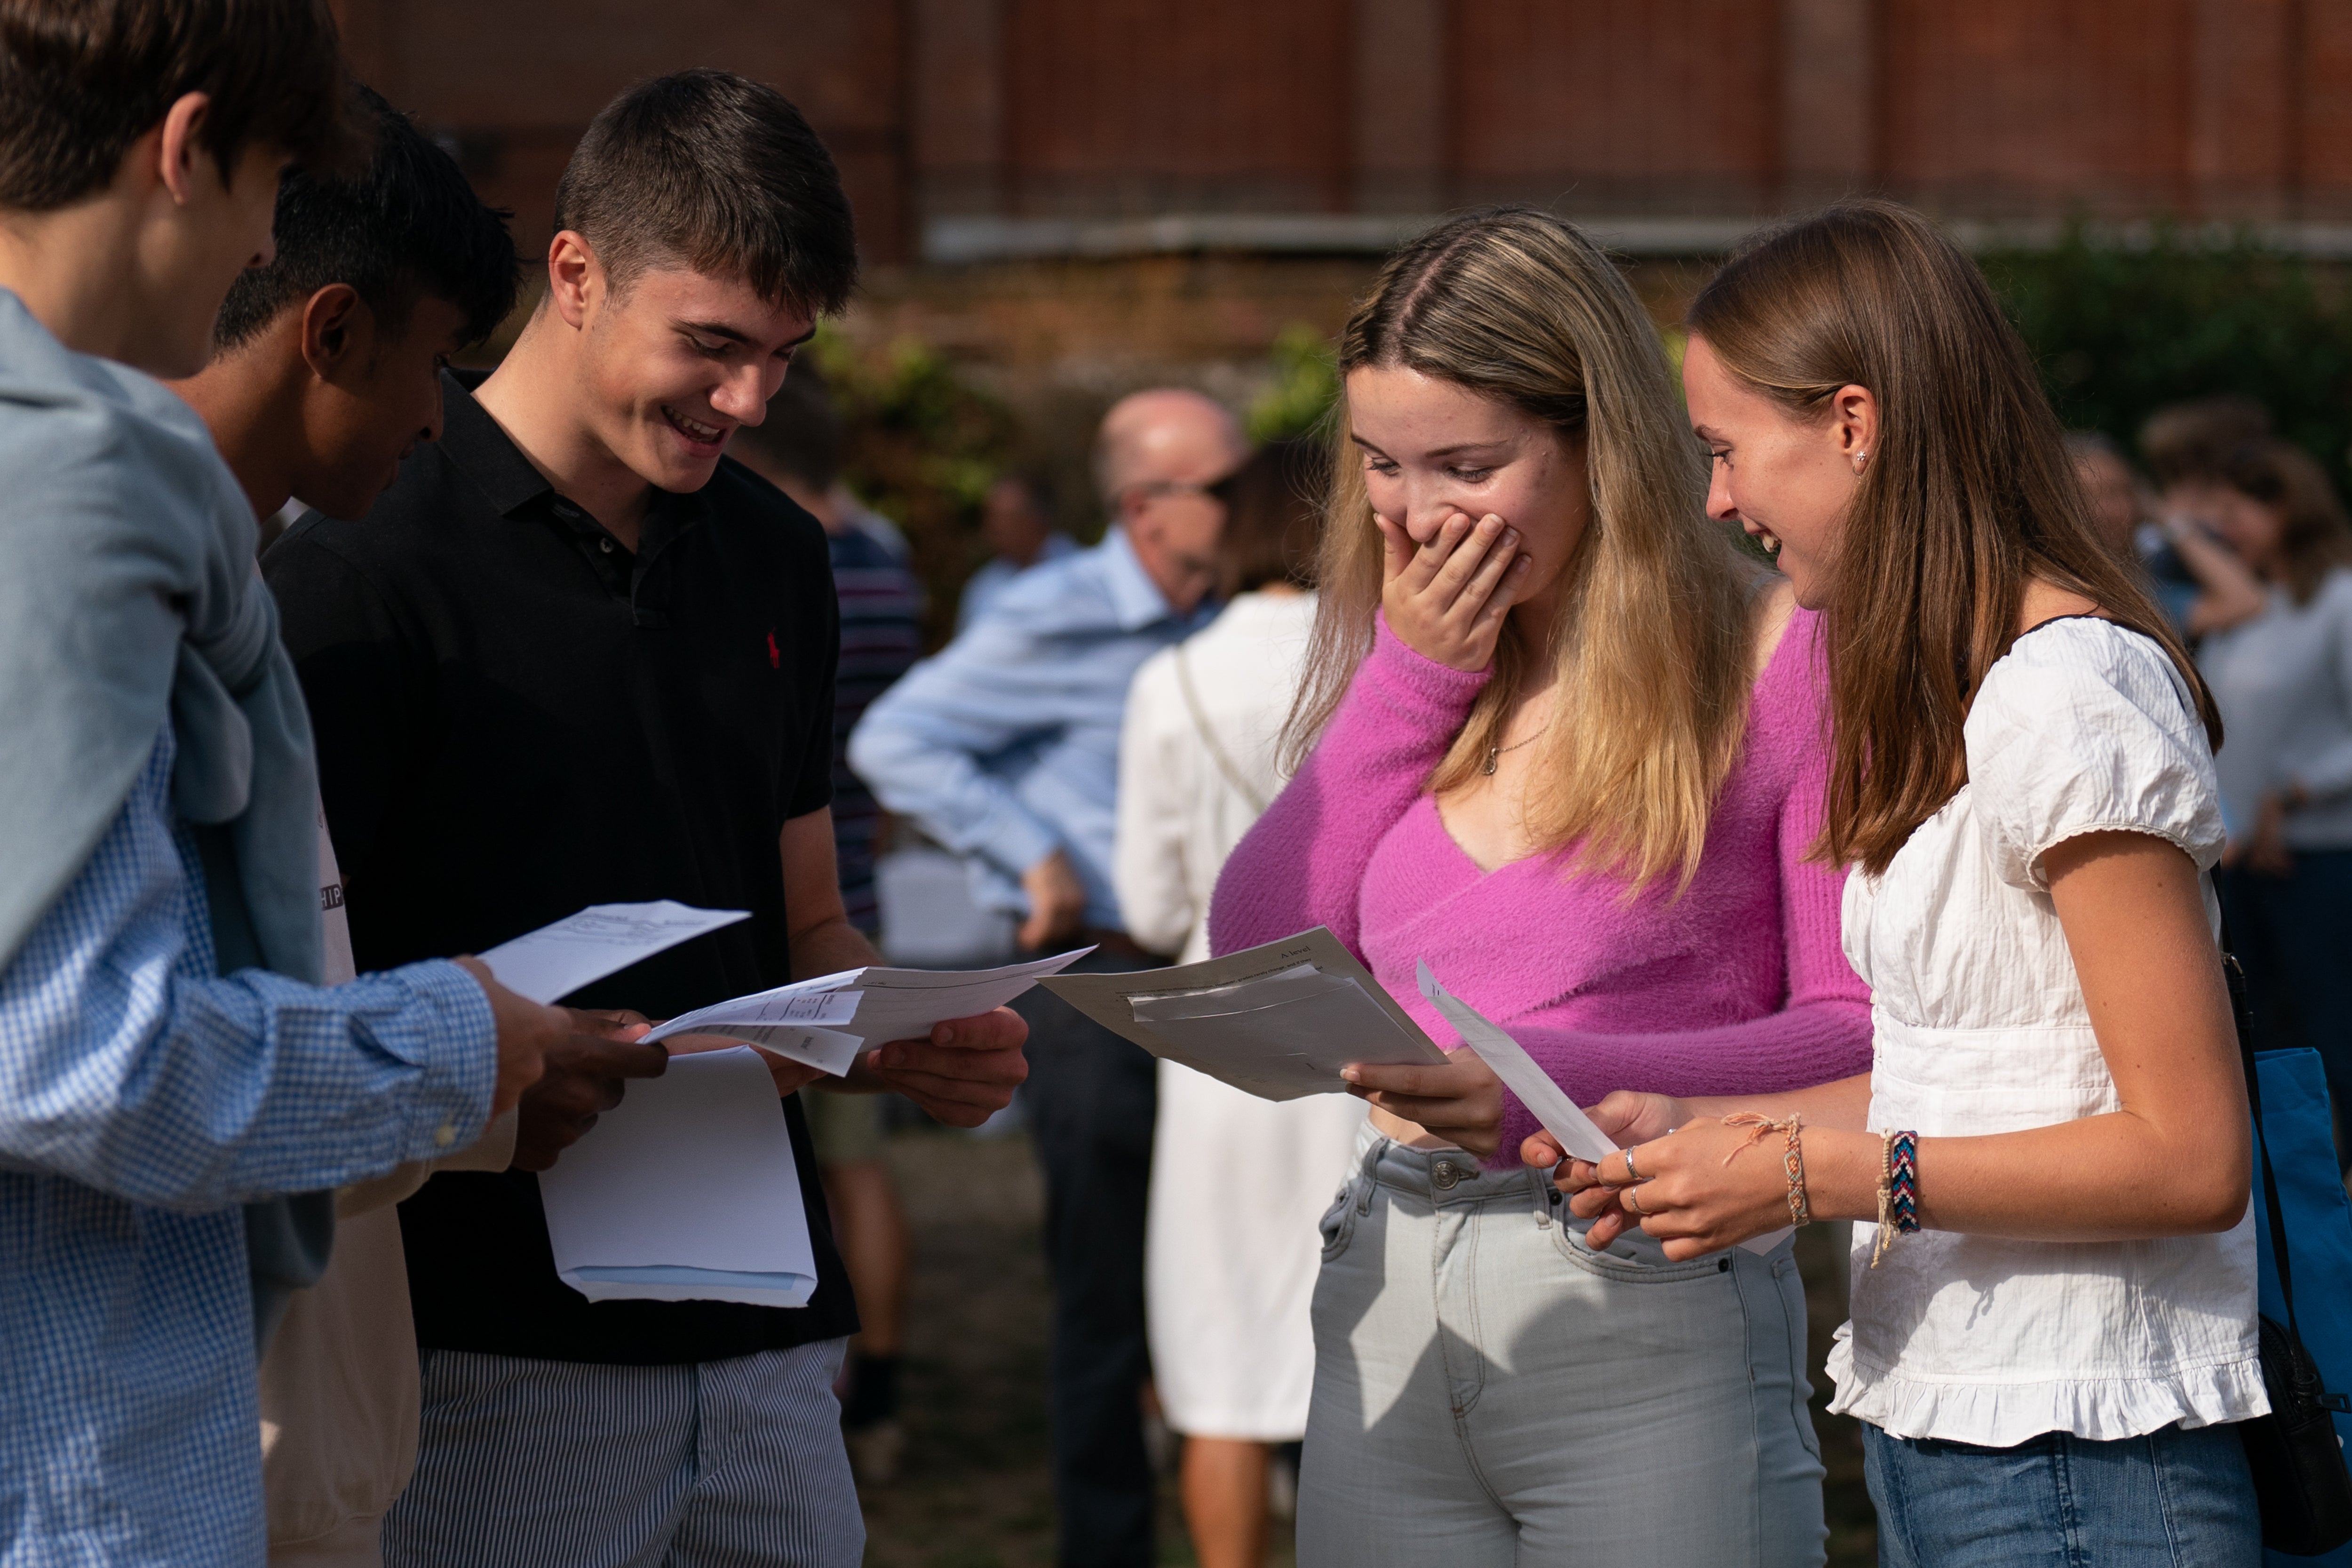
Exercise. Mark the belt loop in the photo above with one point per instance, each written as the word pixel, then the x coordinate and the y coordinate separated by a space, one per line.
pixel 1365 1172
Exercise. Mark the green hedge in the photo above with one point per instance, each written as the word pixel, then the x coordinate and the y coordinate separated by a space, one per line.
pixel 2119 330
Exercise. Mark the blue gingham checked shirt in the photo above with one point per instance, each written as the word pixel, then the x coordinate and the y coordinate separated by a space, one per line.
pixel 142 1099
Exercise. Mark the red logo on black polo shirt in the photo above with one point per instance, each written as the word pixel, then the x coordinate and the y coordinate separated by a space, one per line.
pixel 775 655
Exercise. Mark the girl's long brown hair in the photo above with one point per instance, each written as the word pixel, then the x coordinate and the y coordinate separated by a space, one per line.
pixel 1966 496
pixel 1652 642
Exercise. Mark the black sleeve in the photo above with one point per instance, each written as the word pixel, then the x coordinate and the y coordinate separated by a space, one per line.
pixel 813 783
pixel 359 675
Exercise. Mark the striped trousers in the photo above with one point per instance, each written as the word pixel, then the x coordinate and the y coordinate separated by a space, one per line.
pixel 547 1464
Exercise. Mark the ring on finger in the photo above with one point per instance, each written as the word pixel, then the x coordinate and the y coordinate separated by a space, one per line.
pixel 1631 1175
pixel 1627 1198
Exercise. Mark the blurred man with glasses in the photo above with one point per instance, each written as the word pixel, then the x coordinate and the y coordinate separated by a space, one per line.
pixel 1004 747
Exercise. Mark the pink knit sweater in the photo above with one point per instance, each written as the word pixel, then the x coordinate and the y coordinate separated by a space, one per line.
pixel 1739 985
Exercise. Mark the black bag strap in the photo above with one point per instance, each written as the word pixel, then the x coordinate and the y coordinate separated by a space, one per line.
pixel 2313 1387
pixel 2242 1011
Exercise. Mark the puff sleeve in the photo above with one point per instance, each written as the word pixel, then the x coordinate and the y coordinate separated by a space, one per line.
pixel 2086 727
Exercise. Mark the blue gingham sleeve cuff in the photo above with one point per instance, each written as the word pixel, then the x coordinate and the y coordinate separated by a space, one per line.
pixel 453 1037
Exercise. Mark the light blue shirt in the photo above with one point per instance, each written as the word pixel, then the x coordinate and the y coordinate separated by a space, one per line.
pixel 143 1098
pixel 1004 745
pixel 996 575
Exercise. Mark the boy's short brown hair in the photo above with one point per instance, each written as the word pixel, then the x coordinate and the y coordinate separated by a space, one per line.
pixel 721 173
pixel 80 80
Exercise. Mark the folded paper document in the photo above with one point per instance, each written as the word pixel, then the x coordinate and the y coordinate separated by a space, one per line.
pixel 826 1022
pixel 1521 1075
pixel 602 939
pixel 1277 1021
pixel 684 1190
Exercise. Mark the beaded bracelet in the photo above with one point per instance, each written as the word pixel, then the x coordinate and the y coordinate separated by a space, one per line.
pixel 1792 1156
pixel 1898 1189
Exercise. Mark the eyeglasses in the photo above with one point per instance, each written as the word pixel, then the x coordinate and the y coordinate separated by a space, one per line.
pixel 1222 491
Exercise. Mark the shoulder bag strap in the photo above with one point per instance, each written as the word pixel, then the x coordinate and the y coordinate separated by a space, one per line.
pixel 2241 1010
pixel 1209 736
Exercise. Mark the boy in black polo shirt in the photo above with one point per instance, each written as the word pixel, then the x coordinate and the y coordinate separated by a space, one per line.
pixel 572 657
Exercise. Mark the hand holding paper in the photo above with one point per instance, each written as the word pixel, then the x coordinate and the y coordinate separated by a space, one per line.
pixel 829 1021
pixel 1546 1099
pixel 965 1072
pixel 1569 1127
pixel 587 1073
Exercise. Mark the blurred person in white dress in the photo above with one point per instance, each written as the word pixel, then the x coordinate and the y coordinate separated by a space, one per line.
pixel 1237 1183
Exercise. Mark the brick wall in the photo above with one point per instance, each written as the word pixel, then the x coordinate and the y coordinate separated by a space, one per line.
pixel 1111 108
pixel 1091 112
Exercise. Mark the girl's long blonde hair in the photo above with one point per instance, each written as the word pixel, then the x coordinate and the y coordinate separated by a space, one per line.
pixel 1651 641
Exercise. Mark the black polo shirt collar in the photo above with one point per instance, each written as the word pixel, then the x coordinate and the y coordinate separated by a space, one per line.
pixel 479 447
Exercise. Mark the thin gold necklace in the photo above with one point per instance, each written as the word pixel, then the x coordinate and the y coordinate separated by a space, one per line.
pixel 1496 751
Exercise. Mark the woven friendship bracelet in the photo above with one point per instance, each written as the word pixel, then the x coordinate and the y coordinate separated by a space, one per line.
pixel 1903 1180
pixel 1898 1190
pixel 1792 1161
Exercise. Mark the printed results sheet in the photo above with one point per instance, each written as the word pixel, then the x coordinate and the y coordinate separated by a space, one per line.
pixel 1277 1021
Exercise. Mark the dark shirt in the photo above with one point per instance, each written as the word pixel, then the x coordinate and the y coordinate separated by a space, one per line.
pixel 881 637
pixel 516 717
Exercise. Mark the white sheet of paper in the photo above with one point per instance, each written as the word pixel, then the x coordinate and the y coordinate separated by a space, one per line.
pixel 826 1022
pixel 1277 1021
pixel 903 1004
pixel 684 1190
pixel 1519 1073
pixel 602 939
pixel 1558 1114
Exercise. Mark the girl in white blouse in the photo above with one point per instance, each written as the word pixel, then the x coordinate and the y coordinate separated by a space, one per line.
pixel 2022 769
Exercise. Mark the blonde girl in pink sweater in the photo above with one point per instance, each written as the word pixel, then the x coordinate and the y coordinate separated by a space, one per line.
pixel 1567 745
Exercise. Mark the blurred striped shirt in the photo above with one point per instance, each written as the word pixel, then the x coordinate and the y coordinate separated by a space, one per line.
pixel 881 636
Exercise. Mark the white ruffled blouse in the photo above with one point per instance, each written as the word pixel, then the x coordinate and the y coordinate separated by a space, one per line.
pixel 1980 1027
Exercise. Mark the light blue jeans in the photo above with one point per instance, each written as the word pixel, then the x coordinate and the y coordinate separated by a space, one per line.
pixel 2172 1498
pixel 1490 1392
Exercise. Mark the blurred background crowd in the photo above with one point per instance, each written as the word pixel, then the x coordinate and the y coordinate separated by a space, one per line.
pixel 1067 202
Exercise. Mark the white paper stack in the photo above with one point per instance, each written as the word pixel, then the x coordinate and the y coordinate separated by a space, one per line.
pixel 1277 1021
pixel 826 1022
pixel 684 1190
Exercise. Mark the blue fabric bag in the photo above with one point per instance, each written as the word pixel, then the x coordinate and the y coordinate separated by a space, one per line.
pixel 2318 1223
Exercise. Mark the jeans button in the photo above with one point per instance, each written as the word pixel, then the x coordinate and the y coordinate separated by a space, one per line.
pixel 1446 1174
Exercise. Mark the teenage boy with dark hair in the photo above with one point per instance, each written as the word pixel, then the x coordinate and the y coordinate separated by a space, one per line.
pixel 575 656
pixel 326 373
pixel 165 1052
pixel 325 364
